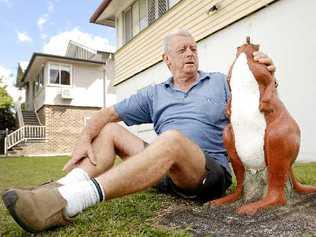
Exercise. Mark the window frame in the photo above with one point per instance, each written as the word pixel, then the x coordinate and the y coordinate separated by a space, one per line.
pixel 130 8
pixel 39 81
pixel 59 71
pixel 139 19
pixel 157 11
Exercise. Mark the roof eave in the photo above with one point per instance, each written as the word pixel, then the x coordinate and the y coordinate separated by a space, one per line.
pixel 98 12
pixel 56 57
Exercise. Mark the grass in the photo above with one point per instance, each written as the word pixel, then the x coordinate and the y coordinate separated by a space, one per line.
pixel 129 216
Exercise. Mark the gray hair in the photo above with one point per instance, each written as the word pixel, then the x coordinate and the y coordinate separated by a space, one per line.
pixel 167 39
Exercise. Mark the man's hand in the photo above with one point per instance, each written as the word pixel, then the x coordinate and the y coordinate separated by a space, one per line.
pixel 82 150
pixel 264 59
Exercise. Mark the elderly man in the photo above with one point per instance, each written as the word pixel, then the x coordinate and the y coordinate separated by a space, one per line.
pixel 187 158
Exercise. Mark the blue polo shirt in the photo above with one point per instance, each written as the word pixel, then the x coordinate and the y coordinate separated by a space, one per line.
pixel 197 113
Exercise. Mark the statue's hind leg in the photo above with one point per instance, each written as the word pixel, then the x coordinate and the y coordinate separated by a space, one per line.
pixel 275 195
pixel 279 158
pixel 238 167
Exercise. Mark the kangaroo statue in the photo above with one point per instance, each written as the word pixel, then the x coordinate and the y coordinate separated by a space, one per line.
pixel 261 133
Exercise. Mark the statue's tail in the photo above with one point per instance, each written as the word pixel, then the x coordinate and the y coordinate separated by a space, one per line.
pixel 300 188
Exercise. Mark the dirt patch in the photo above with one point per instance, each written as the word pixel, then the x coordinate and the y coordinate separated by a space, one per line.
pixel 295 219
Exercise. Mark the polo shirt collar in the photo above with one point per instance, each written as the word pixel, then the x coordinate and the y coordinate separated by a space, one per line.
pixel 202 76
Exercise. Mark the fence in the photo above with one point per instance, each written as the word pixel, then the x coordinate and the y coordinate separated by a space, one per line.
pixel 23 134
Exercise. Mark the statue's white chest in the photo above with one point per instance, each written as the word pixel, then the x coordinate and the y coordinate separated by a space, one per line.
pixel 247 121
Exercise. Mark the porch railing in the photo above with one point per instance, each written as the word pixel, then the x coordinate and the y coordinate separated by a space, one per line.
pixel 23 134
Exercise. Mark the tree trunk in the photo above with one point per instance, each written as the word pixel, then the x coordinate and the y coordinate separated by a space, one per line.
pixel 256 185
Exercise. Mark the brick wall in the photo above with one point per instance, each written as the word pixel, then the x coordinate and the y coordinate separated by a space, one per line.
pixel 63 128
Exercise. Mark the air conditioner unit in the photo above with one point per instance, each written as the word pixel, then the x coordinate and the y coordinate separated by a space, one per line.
pixel 66 93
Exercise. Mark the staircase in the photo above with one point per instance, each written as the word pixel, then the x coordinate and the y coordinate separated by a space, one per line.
pixel 30 131
pixel 30 118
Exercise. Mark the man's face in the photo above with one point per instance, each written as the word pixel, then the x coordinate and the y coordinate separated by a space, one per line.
pixel 182 58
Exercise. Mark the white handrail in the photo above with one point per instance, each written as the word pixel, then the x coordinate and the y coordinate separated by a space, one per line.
pixel 24 133
pixel 37 115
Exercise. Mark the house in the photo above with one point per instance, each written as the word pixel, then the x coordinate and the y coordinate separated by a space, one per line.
pixel 286 31
pixel 62 93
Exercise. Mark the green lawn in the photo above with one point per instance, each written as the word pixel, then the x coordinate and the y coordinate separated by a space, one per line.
pixel 129 216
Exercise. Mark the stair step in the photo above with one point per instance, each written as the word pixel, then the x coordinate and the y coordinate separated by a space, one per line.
pixel 30 118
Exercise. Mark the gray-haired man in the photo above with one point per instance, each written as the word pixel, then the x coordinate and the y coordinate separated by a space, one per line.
pixel 187 158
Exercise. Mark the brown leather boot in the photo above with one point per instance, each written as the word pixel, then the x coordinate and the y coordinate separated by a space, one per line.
pixel 47 185
pixel 36 210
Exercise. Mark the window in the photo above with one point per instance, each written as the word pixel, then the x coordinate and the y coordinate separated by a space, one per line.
pixel 141 14
pixel 151 11
pixel 59 74
pixel 39 81
pixel 156 8
pixel 162 7
pixel 128 29
pixel 33 88
pixel 143 19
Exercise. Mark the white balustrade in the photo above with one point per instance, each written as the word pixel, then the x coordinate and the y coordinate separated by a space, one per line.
pixel 24 133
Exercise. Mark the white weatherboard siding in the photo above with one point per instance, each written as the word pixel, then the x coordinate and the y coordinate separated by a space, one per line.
pixel 286 31
pixel 87 88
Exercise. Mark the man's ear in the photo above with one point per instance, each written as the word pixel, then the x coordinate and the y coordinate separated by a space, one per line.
pixel 165 58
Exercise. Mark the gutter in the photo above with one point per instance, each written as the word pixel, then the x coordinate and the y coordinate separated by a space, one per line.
pixel 99 10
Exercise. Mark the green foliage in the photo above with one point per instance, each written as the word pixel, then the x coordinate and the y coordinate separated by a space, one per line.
pixel 7 119
pixel 5 99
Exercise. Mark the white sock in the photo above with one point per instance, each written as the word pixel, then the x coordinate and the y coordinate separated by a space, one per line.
pixel 80 196
pixel 74 176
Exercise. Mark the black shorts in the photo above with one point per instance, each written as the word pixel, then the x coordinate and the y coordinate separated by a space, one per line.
pixel 214 184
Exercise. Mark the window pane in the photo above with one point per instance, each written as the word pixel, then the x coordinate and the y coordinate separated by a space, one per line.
pixel 33 88
pixel 41 81
pixel 54 76
pixel 65 77
pixel 143 19
pixel 37 83
pixel 135 16
pixel 162 7
pixel 128 24
pixel 151 11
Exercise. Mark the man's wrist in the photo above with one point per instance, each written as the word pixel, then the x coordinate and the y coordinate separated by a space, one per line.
pixel 85 136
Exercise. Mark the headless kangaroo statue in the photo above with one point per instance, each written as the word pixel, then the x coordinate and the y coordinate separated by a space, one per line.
pixel 261 132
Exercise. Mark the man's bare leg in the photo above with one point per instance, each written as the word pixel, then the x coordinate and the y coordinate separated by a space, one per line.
pixel 170 153
pixel 113 140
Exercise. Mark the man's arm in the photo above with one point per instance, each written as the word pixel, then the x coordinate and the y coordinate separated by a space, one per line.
pixel 83 149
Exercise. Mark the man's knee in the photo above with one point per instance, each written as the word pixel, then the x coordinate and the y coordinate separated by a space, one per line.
pixel 110 129
pixel 173 141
